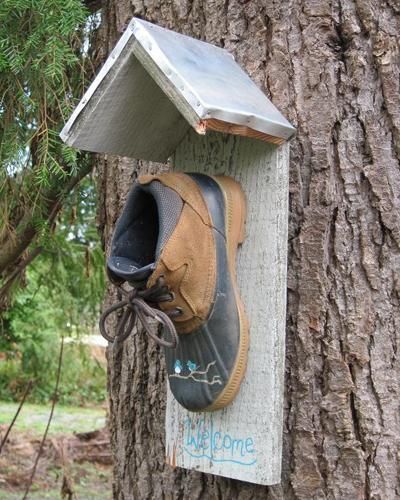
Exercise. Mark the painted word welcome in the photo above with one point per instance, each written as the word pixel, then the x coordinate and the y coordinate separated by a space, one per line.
pixel 202 440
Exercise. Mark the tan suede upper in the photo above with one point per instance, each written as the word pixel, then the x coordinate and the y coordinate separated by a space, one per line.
pixel 188 260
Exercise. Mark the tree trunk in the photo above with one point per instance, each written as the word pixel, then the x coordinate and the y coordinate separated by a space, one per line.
pixel 332 67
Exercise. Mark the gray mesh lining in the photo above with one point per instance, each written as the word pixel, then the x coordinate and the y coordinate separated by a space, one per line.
pixel 148 220
pixel 169 206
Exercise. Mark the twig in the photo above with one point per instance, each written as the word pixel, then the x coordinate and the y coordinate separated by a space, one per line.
pixel 204 372
pixel 215 379
pixel 67 489
pixel 27 390
pixel 55 397
pixel 19 269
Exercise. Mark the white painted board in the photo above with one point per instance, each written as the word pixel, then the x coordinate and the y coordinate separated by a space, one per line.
pixel 244 441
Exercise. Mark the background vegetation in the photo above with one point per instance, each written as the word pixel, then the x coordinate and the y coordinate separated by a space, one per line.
pixel 47 219
pixel 61 297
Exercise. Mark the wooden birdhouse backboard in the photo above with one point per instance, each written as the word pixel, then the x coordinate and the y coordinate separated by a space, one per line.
pixel 244 441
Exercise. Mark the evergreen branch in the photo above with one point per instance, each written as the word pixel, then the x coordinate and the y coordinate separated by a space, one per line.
pixel 21 266
pixel 16 273
pixel 43 67
pixel 26 231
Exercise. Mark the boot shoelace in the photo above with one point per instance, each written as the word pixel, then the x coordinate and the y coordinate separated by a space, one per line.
pixel 136 305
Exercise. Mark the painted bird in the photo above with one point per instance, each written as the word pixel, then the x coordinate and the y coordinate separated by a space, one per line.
pixel 192 366
pixel 178 366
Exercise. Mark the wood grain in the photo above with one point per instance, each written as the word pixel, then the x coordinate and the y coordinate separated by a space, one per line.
pixel 249 431
pixel 232 128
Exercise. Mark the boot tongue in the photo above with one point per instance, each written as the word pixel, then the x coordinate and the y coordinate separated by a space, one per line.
pixel 127 270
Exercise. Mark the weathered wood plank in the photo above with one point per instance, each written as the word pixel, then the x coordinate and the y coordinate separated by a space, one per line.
pixel 232 128
pixel 244 441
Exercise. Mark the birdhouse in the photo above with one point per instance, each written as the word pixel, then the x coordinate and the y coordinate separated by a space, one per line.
pixel 165 96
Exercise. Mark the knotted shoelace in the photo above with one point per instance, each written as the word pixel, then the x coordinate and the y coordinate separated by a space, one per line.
pixel 140 304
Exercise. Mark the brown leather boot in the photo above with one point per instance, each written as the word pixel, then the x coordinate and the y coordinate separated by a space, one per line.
pixel 175 244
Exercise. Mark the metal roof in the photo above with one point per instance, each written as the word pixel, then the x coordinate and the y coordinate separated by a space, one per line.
pixel 155 85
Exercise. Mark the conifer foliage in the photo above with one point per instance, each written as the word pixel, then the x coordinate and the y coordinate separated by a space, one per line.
pixel 43 66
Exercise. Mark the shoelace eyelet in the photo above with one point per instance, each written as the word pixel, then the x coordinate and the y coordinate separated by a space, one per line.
pixel 161 280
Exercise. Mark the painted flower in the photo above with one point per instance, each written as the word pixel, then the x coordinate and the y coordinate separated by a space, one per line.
pixel 178 366
pixel 192 366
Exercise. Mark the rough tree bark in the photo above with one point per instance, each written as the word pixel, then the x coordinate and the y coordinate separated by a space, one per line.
pixel 332 67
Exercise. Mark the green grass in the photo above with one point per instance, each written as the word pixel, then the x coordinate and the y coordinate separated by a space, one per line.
pixel 66 419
